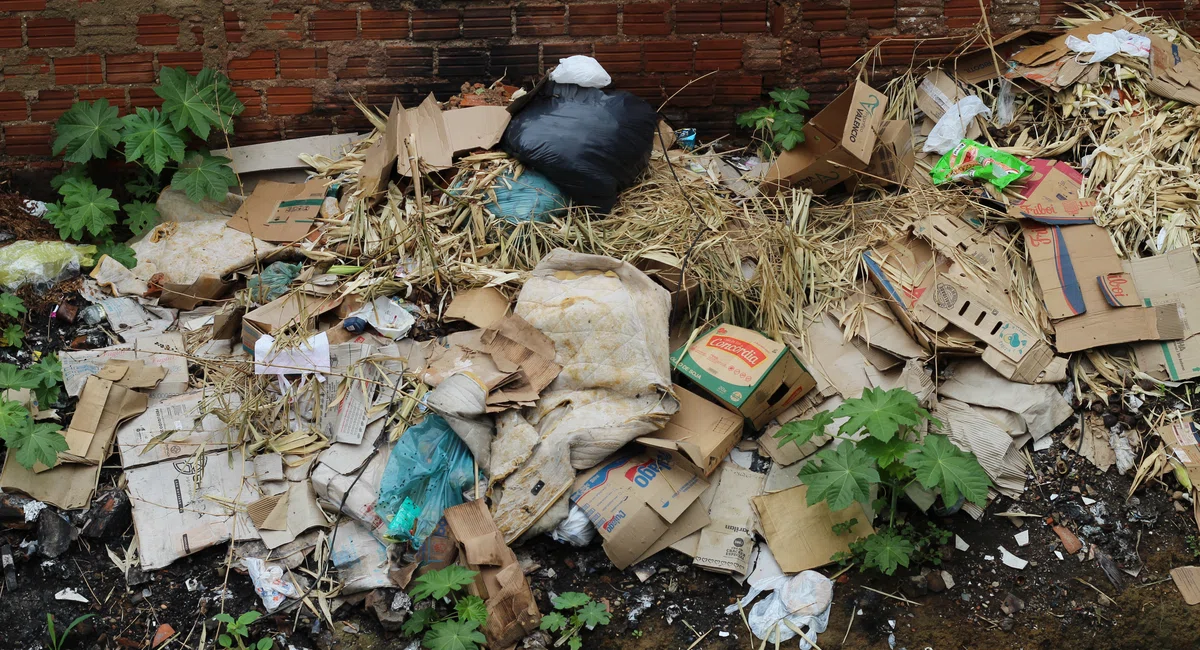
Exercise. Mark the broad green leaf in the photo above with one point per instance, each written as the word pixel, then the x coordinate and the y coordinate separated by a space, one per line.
pixel 12 415
pixel 223 618
pixel 843 476
pixel 149 137
pixel 87 130
pixel 886 453
pixel 11 305
pixel 575 643
pixel 59 219
pixel 886 550
pixel 438 584
pixel 793 101
pixel 184 101
pixel 554 622
pixel 419 621
pixel 471 608
pixel 119 252
pixel 91 209
pixel 204 175
pixel 37 442
pixel 72 173
pixel 141 216
pixel 13 335
pixel 570 600
pixel 13 377
pixel 880 412
pixel 47 395
pixel 265 643
pixel 758 118
pixel 801 431
pixel 941 464
pixel 48 371
pixel 454 635
pixel 593 614
pixel 248 618
pixel 225 641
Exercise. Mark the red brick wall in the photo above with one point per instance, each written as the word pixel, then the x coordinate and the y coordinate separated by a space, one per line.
pixel 295 63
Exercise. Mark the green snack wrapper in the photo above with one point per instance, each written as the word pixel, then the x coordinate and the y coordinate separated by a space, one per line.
pixel 971 160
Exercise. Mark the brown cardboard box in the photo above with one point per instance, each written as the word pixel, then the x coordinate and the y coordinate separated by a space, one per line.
pixel 894 157
pixel 726 544
pixel 292 309
pixel 1166 279
pixel 748 372
pixel 1176 71
pixel 1183 437
pixel 280 212
pixel 838 140
pixel 700 431
pixel 633 499
pixel 1053 195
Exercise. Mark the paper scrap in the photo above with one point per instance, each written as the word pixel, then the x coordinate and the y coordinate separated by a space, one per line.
pixel 1011 560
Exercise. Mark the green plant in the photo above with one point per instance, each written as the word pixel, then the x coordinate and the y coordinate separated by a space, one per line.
pixel 156 140
pixel 12 307
pixel 238 631
pixel 573 612
pixel 780 124
pixel 57 642
pixel 1193 546
pixel 458 630
pixel 880 443
pixel 31 442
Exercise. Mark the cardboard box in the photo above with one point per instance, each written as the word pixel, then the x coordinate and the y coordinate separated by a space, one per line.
pixel 801 536
pixel 894 157
pixel 1073 266
pixel 1052 195
pixel 1167 279
pixel 838 140
pixel 633 498
pixel 1183 437
pixel 700 431
pixel 293 309
pixel 280 212
pixel 748 372
pixel 981 66
pixel 1176 71
pixel 727 542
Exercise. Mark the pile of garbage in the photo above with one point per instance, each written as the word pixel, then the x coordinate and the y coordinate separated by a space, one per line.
pixel 541 314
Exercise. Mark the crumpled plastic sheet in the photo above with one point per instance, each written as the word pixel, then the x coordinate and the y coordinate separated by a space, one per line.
pixel 1107 44
pixel 952 127
pixel 803 600
pixel 271 585
pixel 576 529
pixel 23 262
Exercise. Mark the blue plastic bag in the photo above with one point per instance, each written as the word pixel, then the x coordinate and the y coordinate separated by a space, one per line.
pixel 532 197
pixel 427 472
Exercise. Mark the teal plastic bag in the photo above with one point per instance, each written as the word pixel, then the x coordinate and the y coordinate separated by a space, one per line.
pixel 532 197
pixel 427 472
pixel 273 282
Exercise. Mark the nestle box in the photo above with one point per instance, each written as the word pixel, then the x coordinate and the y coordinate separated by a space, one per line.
pixel 894 156
pixel 837 141
pixel 748 372
pixel 702 433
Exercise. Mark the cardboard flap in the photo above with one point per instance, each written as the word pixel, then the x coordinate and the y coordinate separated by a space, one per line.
pixel 280 212
pixel 700 430
pixel 801 536
pixel 1052 195
pixel 479 307
pixel 485 550
pixel 1056 48
pixel 1118 290
pixel 475 127
pixel 373 177
pixel 430 139
pixel 643 528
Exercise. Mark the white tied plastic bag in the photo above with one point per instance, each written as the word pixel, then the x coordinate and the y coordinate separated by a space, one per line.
pixel 576 529
pixel 952 128
pixel 1106 44
pixel 802 600
pixel 581 71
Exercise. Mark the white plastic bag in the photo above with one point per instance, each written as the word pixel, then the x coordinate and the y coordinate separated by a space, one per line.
pixel 1106 44
pixel 952 128
pixel 270 583
pixel 576 529
pixel 581 71
pixel 803 600
pixel 1006 104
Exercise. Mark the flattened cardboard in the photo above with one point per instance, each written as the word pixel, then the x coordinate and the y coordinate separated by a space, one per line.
pixel 439 135
pixel 102 407
pixel 1187 580
pixel 381 157
pixel 294 513
pixel 285 154
pixel 296 308
pixel 1183 438
pixel 475 127
pixel 206 288
pixel 515 345
pixel 632 499
pixel 512 611
pixel 1175 70
pixel 746 371
pixel 1056 48
pixel 801 536
pixel 894 157
pixel 726 544
pixel 1165 279
pixel 1052 195
pixel 141 441
pixel 280 212
pixel 1069 262
pixel 178 505
pixel 981 66
pixel 702 433
pixel 479 307
pixel 837 141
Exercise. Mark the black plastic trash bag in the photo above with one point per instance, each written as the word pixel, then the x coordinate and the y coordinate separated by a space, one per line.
pixel 589 142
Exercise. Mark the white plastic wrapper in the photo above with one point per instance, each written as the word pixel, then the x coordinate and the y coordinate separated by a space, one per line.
pixel 387 315
pixel 575 530
pixel 269 583
pixel 803 600
pixel 1006 104
pixel 581 71
pixel 952 128
pixel 1106 44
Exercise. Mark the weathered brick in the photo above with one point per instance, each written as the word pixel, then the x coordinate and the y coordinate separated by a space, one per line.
pixel 255 131
pixel 668 56
pixel 106 28
pixel 698 18
pixel 409 62
pixel 382 25
pixel 27 72
pixel 234 29
pixel 435 25
pixel 10 33
pixel 285 24
pixel 356 67
pixel 334 25
pixel 742 90
pixel 592 20
pixel 78 70
pixel 27 139
pixel 541 20
pixel 193 62
pixel 744 17
pixel 645 19
pixel 144 97
pixel 259 64
pixel 722 54
pixel 129 68
pixel 552 53
pixel 514 62
pixel 487 22
pixel 620 57
pixel 461 62
pixel 648 88
pixel 157 29
pixel 13 107
pixel 304 64
pixel 115 97
pixel 288 100
pixel 51 104
pixel 50 32
pixel 690 92
pixel 22 5
pixel 251 98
